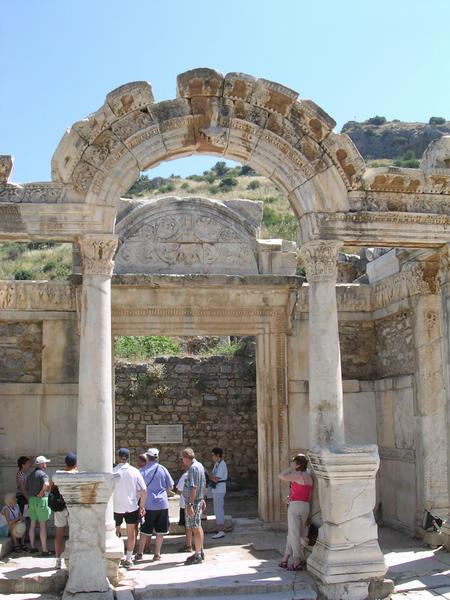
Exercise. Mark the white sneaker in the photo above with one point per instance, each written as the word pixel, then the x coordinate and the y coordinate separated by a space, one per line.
pixel 219 534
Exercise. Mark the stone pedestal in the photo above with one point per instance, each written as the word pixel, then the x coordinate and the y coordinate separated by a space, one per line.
pixel 86 496
pixel 346 556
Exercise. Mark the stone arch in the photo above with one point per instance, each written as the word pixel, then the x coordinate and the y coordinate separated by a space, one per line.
pixel 236 116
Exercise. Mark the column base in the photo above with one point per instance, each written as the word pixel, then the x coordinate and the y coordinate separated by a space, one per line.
pixel 342 591
pixel 86 496
pixel 113 553
pixel 346 556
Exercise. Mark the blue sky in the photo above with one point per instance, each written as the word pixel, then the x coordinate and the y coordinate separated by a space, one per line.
pixel 355 58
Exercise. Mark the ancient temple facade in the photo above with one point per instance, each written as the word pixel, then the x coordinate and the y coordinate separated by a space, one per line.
pixel 355 374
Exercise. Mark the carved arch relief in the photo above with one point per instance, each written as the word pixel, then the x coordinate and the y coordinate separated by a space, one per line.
pixel 185 236
pixel 250 120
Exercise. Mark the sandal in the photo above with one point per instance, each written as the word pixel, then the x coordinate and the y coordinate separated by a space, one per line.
pixel 157 557
pixel 298 567
pixel 283 564
pixel 16 549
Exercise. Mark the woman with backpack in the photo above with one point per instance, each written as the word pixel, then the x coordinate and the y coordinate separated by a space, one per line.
pixel 57 504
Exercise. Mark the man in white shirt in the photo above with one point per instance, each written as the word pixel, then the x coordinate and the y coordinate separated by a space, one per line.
pixel 218 478
pixel 130 494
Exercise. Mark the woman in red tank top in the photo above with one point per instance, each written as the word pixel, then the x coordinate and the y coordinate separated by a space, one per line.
pixel 301 484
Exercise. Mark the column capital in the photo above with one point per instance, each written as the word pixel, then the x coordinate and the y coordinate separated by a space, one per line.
pixel 97 253
pixel 320 259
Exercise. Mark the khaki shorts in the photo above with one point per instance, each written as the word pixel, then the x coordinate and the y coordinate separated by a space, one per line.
pixel 61 518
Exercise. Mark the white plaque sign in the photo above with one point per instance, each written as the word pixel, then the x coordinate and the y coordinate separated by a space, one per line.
pixel 164 434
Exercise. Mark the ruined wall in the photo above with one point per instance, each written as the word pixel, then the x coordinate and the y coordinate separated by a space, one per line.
pixel 20 351
pixel 213 398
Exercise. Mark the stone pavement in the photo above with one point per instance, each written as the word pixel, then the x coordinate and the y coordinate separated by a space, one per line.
pixel 243 565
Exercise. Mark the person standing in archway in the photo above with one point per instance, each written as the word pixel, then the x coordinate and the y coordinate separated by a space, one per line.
pixel 37 485
pixel 129 497
pixel 301 484
pixel 194 493
pixel 158 481
pixel 218 478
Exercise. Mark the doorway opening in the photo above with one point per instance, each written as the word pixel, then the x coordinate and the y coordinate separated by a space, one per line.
pixel 174 392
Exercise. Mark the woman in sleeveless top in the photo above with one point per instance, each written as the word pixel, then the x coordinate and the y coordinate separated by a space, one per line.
pixel 301 484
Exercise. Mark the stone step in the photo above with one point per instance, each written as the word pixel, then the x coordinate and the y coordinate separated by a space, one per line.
pixel 31 575
pixel 6 546
pixel 263 591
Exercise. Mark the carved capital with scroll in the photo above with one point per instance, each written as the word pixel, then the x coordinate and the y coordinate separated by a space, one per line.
pixel 320 260
pixel 97 253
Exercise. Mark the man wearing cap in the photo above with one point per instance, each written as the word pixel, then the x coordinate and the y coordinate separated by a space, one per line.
pixel 130 492
pixel 62 517
pixel 158 481
pixel 37 486
pixel 194 493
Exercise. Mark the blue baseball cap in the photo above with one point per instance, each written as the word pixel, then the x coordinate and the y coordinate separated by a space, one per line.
pixel 124 453
pixel 71 459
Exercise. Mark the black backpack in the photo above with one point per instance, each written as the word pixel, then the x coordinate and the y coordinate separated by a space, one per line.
pixel 55 501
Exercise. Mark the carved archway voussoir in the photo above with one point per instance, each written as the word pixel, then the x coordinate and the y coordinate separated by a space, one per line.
pixel 237 116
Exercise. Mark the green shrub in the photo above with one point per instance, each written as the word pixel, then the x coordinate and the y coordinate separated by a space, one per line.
pixel 377 120
pixel 283 226
pixel 167 187
pixel 23 274
pixel 220 168
pixel 408 160
pixel 227 183
pixel 247 170
pixel 196 177
pixel 253 185
pixel 221 349
pixel 213 189
pixel 50 266
pixel 185 186
pixel 436 121
pixel 141 347
pixel 209 176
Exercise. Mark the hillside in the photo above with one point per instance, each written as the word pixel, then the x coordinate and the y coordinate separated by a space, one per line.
pixel 403 143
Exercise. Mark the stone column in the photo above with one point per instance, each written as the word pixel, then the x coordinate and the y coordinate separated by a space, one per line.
pixel 445 294
pixel 95 452
pixel 94 426
pixel 326 409
pixel 346 557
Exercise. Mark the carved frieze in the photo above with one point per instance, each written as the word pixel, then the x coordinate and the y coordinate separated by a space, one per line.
pixel 35 295
pixel 412 280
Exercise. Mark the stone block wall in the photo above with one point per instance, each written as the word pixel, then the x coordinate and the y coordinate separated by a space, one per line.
pixel 397 446
pixel 20 352
pixel 395 345
pixel 213 398
pixel 358 349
